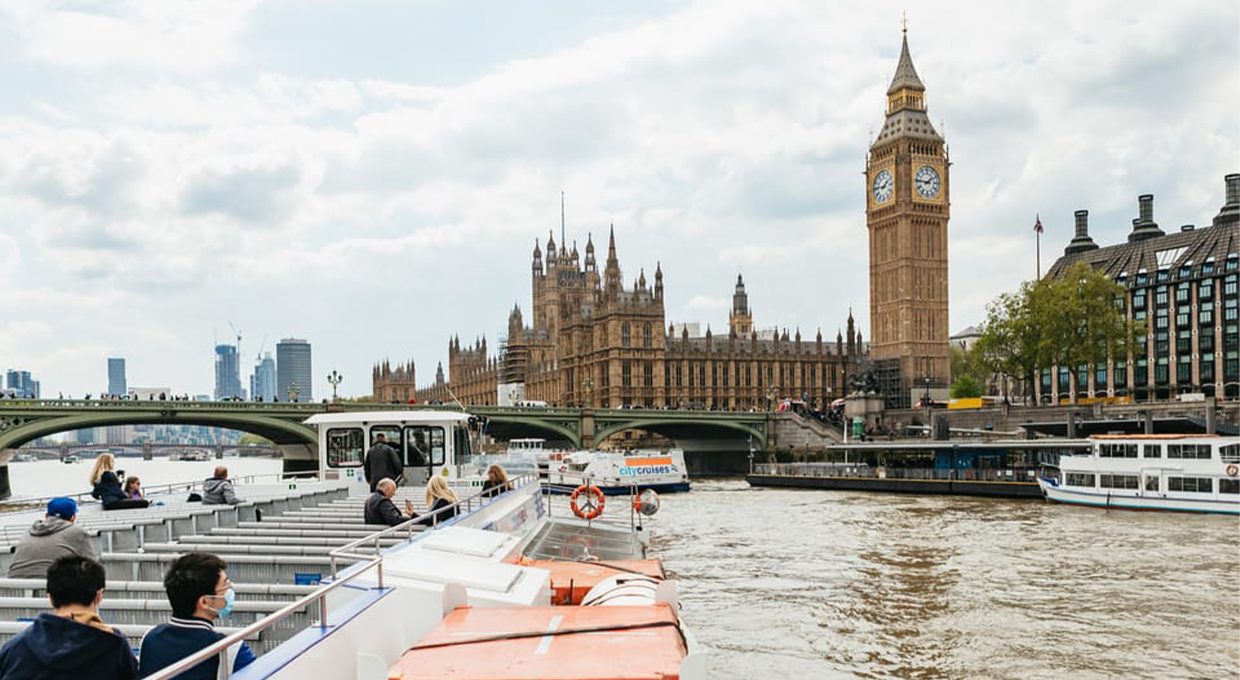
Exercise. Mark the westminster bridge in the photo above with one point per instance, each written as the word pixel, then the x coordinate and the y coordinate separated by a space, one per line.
pixel 729 434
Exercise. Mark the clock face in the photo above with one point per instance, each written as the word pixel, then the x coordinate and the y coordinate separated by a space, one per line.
pixel 927 181
pixel 883 185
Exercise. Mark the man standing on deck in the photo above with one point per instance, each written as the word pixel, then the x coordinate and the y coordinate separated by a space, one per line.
pixel 54 535
pixel 382 462
pixel 379 507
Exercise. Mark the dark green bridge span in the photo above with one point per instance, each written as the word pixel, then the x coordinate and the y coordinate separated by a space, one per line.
pixel 23 421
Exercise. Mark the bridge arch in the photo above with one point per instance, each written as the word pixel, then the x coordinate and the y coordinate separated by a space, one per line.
pixel 537 425
pixel 680 426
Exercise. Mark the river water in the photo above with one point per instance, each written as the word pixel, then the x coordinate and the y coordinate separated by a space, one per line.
pixel 783 583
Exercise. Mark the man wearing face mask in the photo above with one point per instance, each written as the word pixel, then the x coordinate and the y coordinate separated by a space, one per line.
pixel 199 591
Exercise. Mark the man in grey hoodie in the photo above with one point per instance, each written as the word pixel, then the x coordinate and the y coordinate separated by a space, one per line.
pixel 218 490
pixel 52 537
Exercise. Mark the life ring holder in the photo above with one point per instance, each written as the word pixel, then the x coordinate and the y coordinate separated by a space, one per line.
pixel 593 503
pixel 1232 470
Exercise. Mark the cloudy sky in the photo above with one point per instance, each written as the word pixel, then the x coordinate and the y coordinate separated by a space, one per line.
pixel 372 174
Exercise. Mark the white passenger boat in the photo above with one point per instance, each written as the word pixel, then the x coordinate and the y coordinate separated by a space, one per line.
pixel 618 472
pixel 1192 473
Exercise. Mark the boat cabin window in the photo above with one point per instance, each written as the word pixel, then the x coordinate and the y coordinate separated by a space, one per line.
pixel 1197 451
pixel 1230 453
pixel 1191 484
pixel 1080 479
pixel 1117 450
pixel 345 447
pixel 462 452
pixel 1153 451
pixel 1118 481
pixel 424 445
pixel 1229 486
pixel 1151 483
pixel 391 433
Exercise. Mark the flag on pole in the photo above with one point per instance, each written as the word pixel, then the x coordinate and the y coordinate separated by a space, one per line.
pixel 1037 226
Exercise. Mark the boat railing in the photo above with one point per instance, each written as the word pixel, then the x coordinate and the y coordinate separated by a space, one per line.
pixel 410 526
pixel 363 563
pixel 167 488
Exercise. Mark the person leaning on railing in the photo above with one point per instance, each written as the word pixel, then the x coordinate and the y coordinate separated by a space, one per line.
pixel 70 642
pixel 380 509
pixel 497 482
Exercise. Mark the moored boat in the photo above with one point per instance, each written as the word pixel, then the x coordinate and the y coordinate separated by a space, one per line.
pixel 618 472
pixel 1191 473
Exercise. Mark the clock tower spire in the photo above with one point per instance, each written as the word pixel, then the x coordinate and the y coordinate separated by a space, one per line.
pixel 907 210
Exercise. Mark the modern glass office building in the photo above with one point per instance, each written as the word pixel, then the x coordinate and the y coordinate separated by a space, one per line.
pixel 293 370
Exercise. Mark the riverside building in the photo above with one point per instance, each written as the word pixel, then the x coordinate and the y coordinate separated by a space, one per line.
pixel 1183 285
pixel 592 341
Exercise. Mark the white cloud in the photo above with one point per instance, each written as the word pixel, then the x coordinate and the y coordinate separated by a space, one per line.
pixel 173 167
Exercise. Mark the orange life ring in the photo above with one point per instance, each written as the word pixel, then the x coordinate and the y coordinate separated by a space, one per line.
pixel 1232 470
pixel 593 505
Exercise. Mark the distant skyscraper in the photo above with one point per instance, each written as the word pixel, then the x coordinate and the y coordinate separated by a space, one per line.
pixel 227 372
pixel 263 382
pixel 116 376
pixel 21 385
pixel 293 368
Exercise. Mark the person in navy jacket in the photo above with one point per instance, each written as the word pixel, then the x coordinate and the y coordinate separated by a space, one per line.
pixel 71 641
pixel 199 591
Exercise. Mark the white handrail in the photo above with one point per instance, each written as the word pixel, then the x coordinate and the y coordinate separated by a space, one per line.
pixel 367 562
pixel 82 496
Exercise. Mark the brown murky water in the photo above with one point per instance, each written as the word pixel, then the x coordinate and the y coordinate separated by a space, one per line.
pixel 820 584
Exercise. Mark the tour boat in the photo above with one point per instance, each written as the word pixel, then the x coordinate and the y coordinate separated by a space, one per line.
pixel 518 585
pixel 1193 473
pixel 618 472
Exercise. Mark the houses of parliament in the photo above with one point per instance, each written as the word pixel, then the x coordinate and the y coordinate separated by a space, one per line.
pixel 592 341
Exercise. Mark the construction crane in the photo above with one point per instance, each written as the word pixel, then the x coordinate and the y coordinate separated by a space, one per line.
pixel 234 328
pixel 259 357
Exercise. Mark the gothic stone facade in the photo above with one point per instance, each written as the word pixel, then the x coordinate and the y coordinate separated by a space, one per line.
pixel 593 341
pixel 1183 286
pixel 907 209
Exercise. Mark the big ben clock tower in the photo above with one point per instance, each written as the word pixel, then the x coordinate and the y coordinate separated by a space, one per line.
pixel 907 209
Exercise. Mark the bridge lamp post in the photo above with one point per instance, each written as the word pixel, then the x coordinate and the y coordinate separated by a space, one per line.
pixel 334 378
pixel 587 389
pixel 293 392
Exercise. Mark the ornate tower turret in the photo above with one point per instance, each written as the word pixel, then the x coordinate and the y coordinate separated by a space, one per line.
pixel 611 275
pixel 658 281
pixel 740 319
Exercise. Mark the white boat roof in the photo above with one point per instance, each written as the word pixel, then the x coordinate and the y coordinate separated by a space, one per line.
pixel 383 417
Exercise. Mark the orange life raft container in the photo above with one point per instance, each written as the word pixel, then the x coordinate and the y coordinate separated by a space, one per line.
pixel 570 581
pixel 611 643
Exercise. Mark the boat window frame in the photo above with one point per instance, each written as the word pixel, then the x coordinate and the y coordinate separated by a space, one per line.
pixel 1107 449
pixel 1156 448
pixel 1071 478
pixel 1172 482
pixel 1111 480
pixel 443 446
pixel 1177 451
pixel 1229 486
pixel 361 439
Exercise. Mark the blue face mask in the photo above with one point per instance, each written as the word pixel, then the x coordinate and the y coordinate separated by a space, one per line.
pixel 230 597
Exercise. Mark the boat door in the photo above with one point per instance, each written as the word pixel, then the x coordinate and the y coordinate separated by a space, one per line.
pixel 1151 483
pixel 425 453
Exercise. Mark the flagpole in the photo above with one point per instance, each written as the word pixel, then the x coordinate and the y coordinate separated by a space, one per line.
pixel 1039 265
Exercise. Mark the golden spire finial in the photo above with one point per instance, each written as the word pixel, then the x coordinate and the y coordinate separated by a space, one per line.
pixel 904 22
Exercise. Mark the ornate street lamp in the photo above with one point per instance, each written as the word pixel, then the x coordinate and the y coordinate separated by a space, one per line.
pixel 587 389
pixel 334 378
pixel 293 392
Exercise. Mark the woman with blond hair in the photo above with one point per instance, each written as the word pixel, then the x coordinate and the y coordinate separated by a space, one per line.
pixel 107 486
pixel 440 500
pixel 497 482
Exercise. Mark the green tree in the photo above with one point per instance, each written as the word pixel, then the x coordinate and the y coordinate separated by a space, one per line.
pixel 966 387
pixel 248 439
pixel 1076 320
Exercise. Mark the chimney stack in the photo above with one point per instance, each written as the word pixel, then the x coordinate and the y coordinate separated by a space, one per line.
pixel 1229 214
pixel 1081 242
pixel 1144 226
